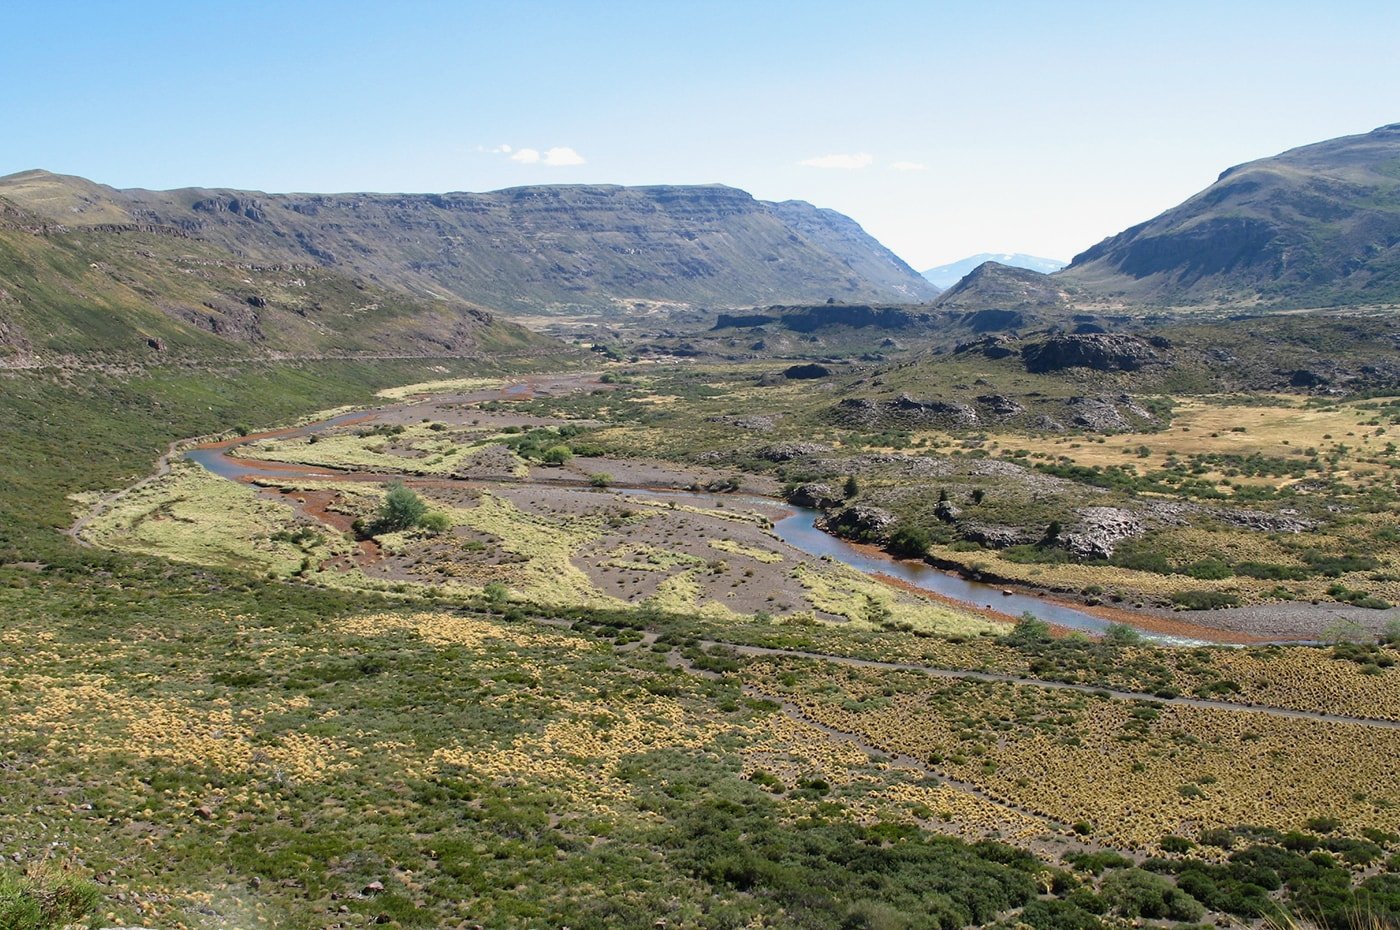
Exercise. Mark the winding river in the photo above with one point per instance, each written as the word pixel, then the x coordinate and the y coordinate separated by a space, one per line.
pixel 798 529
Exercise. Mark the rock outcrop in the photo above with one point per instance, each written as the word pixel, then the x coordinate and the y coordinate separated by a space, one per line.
pixel 1099 351
pixel 1099 531
pixel 860 522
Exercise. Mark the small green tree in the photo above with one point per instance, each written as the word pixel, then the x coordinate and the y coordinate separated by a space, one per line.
pixel 910 542
pixel 852 487
pixel 557 455
pixel 1029 630
pixel 401 510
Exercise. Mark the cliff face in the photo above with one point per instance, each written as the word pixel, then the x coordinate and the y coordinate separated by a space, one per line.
pixel 1314 226
pixel 524 249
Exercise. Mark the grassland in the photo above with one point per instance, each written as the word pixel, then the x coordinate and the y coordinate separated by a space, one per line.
pixel 483 727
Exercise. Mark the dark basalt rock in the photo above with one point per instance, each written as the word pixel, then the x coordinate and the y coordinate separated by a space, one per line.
pixel 993 347
pixel 1099 351
pixel 806 372
pixel 999 405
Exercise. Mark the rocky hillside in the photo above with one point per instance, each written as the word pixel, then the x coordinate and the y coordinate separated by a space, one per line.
pixel 527 249
pixel 992 285
pixel 1314 226
pixel 945 276
pixel 128 293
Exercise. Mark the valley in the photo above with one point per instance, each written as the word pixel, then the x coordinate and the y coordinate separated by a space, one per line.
pixel 684 565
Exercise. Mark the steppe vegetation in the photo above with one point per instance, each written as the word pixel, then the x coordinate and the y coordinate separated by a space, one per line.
pixel 550 704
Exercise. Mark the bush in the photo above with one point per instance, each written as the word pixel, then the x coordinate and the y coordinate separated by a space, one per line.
pixel 600 479
pixel 1028 631
pixel 910 542
pixel 1204 600
pixel 1135 893
pixel 557 455
pixel 45 901
pixel 1207 570
pixel 435 521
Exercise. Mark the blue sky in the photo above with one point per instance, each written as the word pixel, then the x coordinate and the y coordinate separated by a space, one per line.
pixel 945 129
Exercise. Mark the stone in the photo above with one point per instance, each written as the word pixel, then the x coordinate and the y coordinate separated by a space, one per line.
pixel 1099 531
pixel 815 494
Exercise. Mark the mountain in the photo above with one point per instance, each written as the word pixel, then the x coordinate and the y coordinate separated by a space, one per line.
pixel 1315 226
pixel 524 249
pixel 945 276
pixel 114 294
pixel 992 285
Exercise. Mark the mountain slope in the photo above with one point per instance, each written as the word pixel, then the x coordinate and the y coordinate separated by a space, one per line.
pixel 1314 226
pixel 992 285
pixel 116 293
pixel 523 249
pixel 945 276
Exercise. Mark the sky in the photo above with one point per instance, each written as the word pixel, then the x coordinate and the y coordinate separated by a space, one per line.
pixel 945 129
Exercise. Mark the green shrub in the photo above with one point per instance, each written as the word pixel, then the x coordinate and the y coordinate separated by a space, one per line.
pixel 910 542
pixel 46 901
pixel 1204 600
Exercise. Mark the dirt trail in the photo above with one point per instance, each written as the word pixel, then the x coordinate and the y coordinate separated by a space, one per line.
pixel 968 675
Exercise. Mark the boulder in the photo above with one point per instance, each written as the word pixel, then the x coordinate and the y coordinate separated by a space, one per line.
pixel 806 372
pixel 1099 531
pixel 947 511
pixel 862 522
pixel 995 535
pixel 815 494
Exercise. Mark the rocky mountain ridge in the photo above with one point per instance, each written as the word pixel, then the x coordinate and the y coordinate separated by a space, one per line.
pixel 521 250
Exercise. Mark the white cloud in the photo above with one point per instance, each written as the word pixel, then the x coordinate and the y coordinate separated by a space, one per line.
pixel 844 162
pixel 561 156
pixel 908 166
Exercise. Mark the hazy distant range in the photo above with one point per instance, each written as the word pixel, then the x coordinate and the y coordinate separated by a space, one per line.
pixel 946 276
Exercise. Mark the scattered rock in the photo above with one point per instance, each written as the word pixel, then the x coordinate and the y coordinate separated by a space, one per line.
pixel 947 511
pixel 905 411
pixel 1285 521
pixel 374 887
pixel 786 452
pixel 992 347
pixel 999 405
pixel 995 535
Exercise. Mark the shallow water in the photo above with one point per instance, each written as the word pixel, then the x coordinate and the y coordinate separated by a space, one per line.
pixel 798 529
